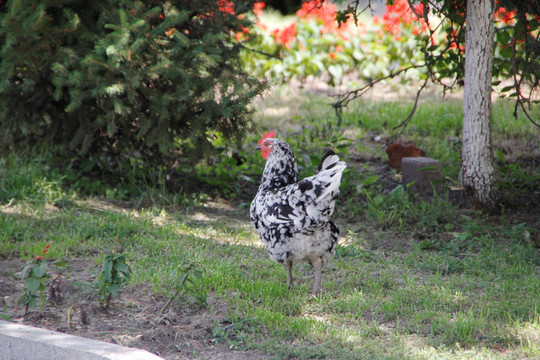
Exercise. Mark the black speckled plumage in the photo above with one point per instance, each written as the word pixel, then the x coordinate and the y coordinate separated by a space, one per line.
pixel 292 217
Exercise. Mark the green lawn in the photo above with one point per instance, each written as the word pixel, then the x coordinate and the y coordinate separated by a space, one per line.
pixel 409 280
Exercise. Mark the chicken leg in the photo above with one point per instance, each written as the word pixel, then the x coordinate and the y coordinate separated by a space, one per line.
pixel 317 268
pixel 289 274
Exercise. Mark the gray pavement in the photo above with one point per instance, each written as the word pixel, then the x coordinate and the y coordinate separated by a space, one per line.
pixel 23 342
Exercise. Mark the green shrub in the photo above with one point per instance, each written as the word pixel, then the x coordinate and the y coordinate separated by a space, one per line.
pixel 108 79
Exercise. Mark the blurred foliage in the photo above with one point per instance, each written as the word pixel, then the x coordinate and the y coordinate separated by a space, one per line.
pixel 517 43
pixel 315 44
pixel 412 41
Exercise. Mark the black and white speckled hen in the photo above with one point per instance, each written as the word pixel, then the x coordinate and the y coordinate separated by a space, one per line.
pixel 292 217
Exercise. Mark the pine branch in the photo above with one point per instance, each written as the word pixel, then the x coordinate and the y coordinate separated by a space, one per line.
pixel 30 53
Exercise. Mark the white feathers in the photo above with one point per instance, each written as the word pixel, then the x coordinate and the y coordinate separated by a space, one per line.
pixel 329 160
pixel 293 217
pixel 286 211
pixel 332 177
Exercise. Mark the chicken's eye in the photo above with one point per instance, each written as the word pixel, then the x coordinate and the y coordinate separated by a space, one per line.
pixel 267 144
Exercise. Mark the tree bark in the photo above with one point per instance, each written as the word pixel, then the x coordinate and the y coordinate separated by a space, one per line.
pixel 478 170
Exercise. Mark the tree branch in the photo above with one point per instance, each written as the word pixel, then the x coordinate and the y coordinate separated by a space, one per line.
pixel 527 113
pixel 354 94
pixel 259 51
pixel 413 110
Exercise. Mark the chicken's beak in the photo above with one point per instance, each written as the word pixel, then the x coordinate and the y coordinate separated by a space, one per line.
pixel 258 147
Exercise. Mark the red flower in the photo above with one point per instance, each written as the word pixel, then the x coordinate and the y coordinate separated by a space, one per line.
pixel 400 13
pixel 241 35
pixel 332 55
pixel 453 41
pixel 45 250
pixel 286 36
pixel 258 8
pixel 505 16
pixel 454 45
pixel 226 6
pixel 324 12
pixel 339 48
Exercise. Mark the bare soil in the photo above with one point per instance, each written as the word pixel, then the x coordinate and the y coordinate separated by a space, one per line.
pixel 185 331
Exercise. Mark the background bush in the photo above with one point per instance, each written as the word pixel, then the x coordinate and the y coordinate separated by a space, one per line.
pixel 109 79
pixel 313 43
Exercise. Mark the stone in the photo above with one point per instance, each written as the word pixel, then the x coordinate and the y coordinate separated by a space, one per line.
pixel 425 172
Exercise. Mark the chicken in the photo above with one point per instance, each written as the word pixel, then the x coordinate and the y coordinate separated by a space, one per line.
pixel 396 152
pixel 292 217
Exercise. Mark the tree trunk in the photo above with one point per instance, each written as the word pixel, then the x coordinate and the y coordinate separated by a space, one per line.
pixel 478 170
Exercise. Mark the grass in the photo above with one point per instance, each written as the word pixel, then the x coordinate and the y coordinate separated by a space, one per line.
pixel 309 123
pixel 409 280
pixel 474 296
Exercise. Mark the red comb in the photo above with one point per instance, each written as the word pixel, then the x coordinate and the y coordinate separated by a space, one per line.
pixel 269 134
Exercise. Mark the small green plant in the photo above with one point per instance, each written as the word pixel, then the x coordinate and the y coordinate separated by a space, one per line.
pixel 34 273
pixel 115 273
pixel 401 210
pixel 4 314
pixel 517 181
pixel 229 331
pixel 464 328
pixel 184 280
pixel 388 210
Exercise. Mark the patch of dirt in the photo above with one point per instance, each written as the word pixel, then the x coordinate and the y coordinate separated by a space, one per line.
pixel 185 331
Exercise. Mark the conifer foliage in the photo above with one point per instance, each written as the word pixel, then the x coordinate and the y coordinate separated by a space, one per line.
pixel 109 78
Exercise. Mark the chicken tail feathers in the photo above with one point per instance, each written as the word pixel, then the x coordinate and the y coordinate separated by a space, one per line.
pixel 327 160
pixel 330 168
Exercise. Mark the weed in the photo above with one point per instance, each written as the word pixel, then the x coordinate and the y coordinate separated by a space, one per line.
pixel 463 328
pixel 388 210
pixel 115 273
pixel 185 280
pixel 35 276
pixel 4 314
pixel 230 331
pixel 32 178
pixel 516 181
pixel 398 209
